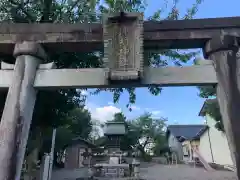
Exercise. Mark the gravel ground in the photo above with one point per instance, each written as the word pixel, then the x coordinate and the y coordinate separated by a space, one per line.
pixel 182 172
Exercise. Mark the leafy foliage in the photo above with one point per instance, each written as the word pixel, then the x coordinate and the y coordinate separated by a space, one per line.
pixel 151 132
pixel 78 124
pixel 207 91
pixel 79 121
pixel 212 107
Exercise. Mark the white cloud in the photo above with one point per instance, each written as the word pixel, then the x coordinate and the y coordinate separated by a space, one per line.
pixel 110 103
pixel 156 113
pixel 101 114
pixel 175 122
pixel 135 108
pixel 105 113
pixel 147 109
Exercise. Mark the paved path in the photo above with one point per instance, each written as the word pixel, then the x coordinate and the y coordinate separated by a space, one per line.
pixel 183 172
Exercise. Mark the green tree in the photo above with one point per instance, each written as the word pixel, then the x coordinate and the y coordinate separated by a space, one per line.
pixel 119 117
pixel 78 124
pixel 79 121
pixel 212 107
pixel 160 144
pixel 151 131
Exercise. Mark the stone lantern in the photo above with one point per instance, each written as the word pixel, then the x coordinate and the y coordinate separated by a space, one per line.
pixel 114 131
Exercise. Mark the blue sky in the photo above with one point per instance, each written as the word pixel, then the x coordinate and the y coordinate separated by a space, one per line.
pixel 179 104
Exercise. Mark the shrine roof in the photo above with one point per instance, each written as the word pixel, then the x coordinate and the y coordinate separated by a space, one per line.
pixel 115 128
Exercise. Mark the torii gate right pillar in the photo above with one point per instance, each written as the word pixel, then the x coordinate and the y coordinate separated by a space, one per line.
pixel 224 50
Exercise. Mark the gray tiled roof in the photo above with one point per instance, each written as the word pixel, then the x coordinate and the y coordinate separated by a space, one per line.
pixel 185 131
pixel 115 128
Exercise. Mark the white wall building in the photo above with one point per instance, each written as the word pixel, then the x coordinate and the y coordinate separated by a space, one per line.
pixel 213 143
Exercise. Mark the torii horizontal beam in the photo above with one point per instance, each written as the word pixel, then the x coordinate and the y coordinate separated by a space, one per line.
pixel 180 34
pixel 97 77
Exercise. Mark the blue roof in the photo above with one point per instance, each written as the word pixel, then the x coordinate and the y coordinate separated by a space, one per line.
pixel 186 131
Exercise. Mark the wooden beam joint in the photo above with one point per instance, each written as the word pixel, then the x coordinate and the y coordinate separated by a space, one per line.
pixel 221 43
pixel 29 48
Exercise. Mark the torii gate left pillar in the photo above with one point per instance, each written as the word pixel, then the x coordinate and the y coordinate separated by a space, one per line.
pixel 18 110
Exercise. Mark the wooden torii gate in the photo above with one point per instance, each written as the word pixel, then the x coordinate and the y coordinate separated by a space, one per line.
pixel 219 38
